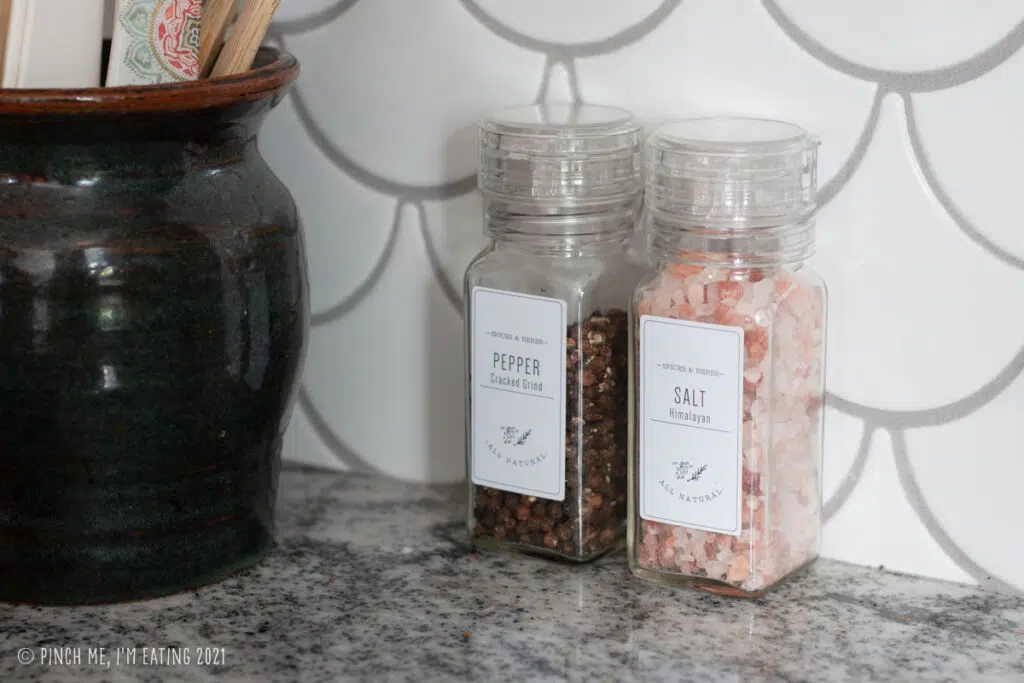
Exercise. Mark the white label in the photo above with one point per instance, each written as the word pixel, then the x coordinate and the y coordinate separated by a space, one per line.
pixel 517 392
pixel 691 424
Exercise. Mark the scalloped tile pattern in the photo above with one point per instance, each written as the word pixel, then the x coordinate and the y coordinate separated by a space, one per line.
pixel 904 36
pixel 918 111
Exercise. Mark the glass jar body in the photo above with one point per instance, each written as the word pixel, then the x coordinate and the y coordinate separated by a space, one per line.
pixel 591 280
pixel 771 422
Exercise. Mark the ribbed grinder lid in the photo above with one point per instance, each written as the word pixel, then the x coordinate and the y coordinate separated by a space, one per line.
pixel 562 156
pixel 732 172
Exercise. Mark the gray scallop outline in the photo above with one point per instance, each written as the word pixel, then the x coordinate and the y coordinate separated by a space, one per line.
pixel 906 84
pixel 343 307
pixel 416 194
pixel 952 411
pixel 404 194
pixel 903 83
pixel 912 490
pixel 987 392
pixel 896 421
pixel 926 80
pixel 321 426
pixel 568 51
pixel 408 192
pixel 550 62
pixel 837 182
pixel 315 20
pixel 853 474
pixel 945 200
pixel 448 288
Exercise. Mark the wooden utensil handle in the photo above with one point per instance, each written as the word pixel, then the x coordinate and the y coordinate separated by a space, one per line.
pixel 246 37
pixel 217 17
pixel 5 27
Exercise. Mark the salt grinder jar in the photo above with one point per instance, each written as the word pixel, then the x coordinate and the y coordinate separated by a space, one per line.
pixel 547 331
pixel 727 353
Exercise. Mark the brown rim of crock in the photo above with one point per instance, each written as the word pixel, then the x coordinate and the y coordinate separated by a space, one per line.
pixel 278 70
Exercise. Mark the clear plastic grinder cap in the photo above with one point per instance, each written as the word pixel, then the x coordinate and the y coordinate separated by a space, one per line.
pixel 732 172
pixel 562 156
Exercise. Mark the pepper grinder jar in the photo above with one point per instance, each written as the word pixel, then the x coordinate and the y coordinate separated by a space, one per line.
pixel 727 351
pixel 547 332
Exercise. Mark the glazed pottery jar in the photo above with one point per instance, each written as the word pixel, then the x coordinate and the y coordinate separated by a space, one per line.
pixel 153 323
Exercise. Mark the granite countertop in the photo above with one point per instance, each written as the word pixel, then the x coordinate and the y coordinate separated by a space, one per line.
pixel 373 581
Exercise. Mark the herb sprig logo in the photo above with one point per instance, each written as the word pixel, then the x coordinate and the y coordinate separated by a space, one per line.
pixel 511 435
pixel 685 471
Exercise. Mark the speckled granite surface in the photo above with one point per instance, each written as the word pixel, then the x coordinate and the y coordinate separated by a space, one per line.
pixel 372 582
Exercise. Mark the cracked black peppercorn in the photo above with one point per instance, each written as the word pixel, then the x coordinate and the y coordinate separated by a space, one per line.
pixel 591 519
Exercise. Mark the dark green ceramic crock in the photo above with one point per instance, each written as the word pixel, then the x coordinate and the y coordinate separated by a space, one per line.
pixel 153 323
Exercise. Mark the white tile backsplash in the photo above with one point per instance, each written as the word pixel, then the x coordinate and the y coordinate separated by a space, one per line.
pixel 918 106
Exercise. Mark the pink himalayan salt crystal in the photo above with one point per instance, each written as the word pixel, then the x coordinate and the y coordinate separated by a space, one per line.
pixel 782 318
